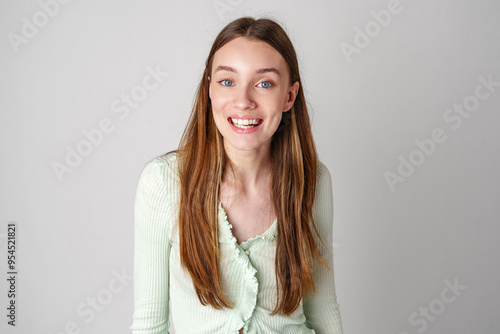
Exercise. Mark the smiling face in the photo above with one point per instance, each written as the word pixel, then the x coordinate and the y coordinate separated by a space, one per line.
pixel 249 90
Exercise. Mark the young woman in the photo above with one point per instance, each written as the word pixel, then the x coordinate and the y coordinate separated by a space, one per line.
pixel 229 228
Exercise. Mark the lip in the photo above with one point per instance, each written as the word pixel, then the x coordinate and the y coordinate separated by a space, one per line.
pixel 244 131
pixel 245 116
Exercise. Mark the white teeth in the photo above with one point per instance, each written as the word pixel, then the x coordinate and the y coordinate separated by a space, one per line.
pixel 244 123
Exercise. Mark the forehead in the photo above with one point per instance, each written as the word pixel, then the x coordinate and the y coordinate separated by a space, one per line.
pixel 246 54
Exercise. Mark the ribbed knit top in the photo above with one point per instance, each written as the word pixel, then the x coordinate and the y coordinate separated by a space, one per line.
pixel 247 269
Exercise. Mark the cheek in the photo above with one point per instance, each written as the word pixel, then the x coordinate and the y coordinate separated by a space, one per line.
pixel 218 120
pixel 217 112
pixel 278 99
pixel 218 102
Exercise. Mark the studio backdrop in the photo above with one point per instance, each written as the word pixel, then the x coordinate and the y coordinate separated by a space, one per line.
pixel 404 98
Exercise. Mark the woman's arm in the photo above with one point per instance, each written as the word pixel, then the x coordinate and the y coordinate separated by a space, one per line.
pixel 321 308
pixel 151 252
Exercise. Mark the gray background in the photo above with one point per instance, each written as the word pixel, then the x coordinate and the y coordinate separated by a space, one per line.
pixel 396 248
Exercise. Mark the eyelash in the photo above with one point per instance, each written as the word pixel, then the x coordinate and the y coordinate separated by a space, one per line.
pixel 221 82
pixel 270 83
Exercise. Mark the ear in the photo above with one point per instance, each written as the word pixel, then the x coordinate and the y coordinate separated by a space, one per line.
pixel 291 94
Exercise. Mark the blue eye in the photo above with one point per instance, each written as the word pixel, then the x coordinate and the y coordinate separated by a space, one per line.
pixel 226 82
pixel 265 84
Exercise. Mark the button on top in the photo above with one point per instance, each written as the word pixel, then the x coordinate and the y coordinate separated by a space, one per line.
pixel 248 252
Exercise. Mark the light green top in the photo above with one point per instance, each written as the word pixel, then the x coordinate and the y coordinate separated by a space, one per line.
pixel 247 275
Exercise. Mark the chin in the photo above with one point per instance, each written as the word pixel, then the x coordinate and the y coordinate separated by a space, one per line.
pixel 245 145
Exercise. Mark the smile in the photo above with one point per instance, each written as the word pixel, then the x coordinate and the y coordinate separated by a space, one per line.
pixel 245 123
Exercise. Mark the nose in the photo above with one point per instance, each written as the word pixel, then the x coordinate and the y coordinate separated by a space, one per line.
pixel 243 99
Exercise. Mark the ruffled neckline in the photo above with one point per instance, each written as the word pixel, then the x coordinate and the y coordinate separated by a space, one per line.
pixel 248 298
pixel 268 235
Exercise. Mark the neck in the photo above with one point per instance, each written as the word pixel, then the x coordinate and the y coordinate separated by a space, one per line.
pixel 251 168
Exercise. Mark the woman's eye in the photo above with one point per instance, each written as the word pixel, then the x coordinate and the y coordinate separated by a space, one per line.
pixel 226 82
pixel 265 84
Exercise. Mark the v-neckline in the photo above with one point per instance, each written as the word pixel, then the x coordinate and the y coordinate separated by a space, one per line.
pixel 269 234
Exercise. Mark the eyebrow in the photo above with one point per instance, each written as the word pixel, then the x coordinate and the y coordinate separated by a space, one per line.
pixel 259 71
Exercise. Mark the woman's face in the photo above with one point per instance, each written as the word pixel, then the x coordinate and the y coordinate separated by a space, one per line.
pixel 249 89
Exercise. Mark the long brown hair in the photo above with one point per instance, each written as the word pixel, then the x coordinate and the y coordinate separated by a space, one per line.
pixel 202 161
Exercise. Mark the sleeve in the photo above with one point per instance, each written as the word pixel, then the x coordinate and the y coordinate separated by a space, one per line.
pixel 151 252
pixel 321 308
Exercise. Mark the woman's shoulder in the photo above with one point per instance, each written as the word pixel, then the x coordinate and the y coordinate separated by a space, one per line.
pixel 161 170
pixel 157 196
pixel 322 173
pixel 166 160
pixel 165 163
pixel 323 208
pixel 323 202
